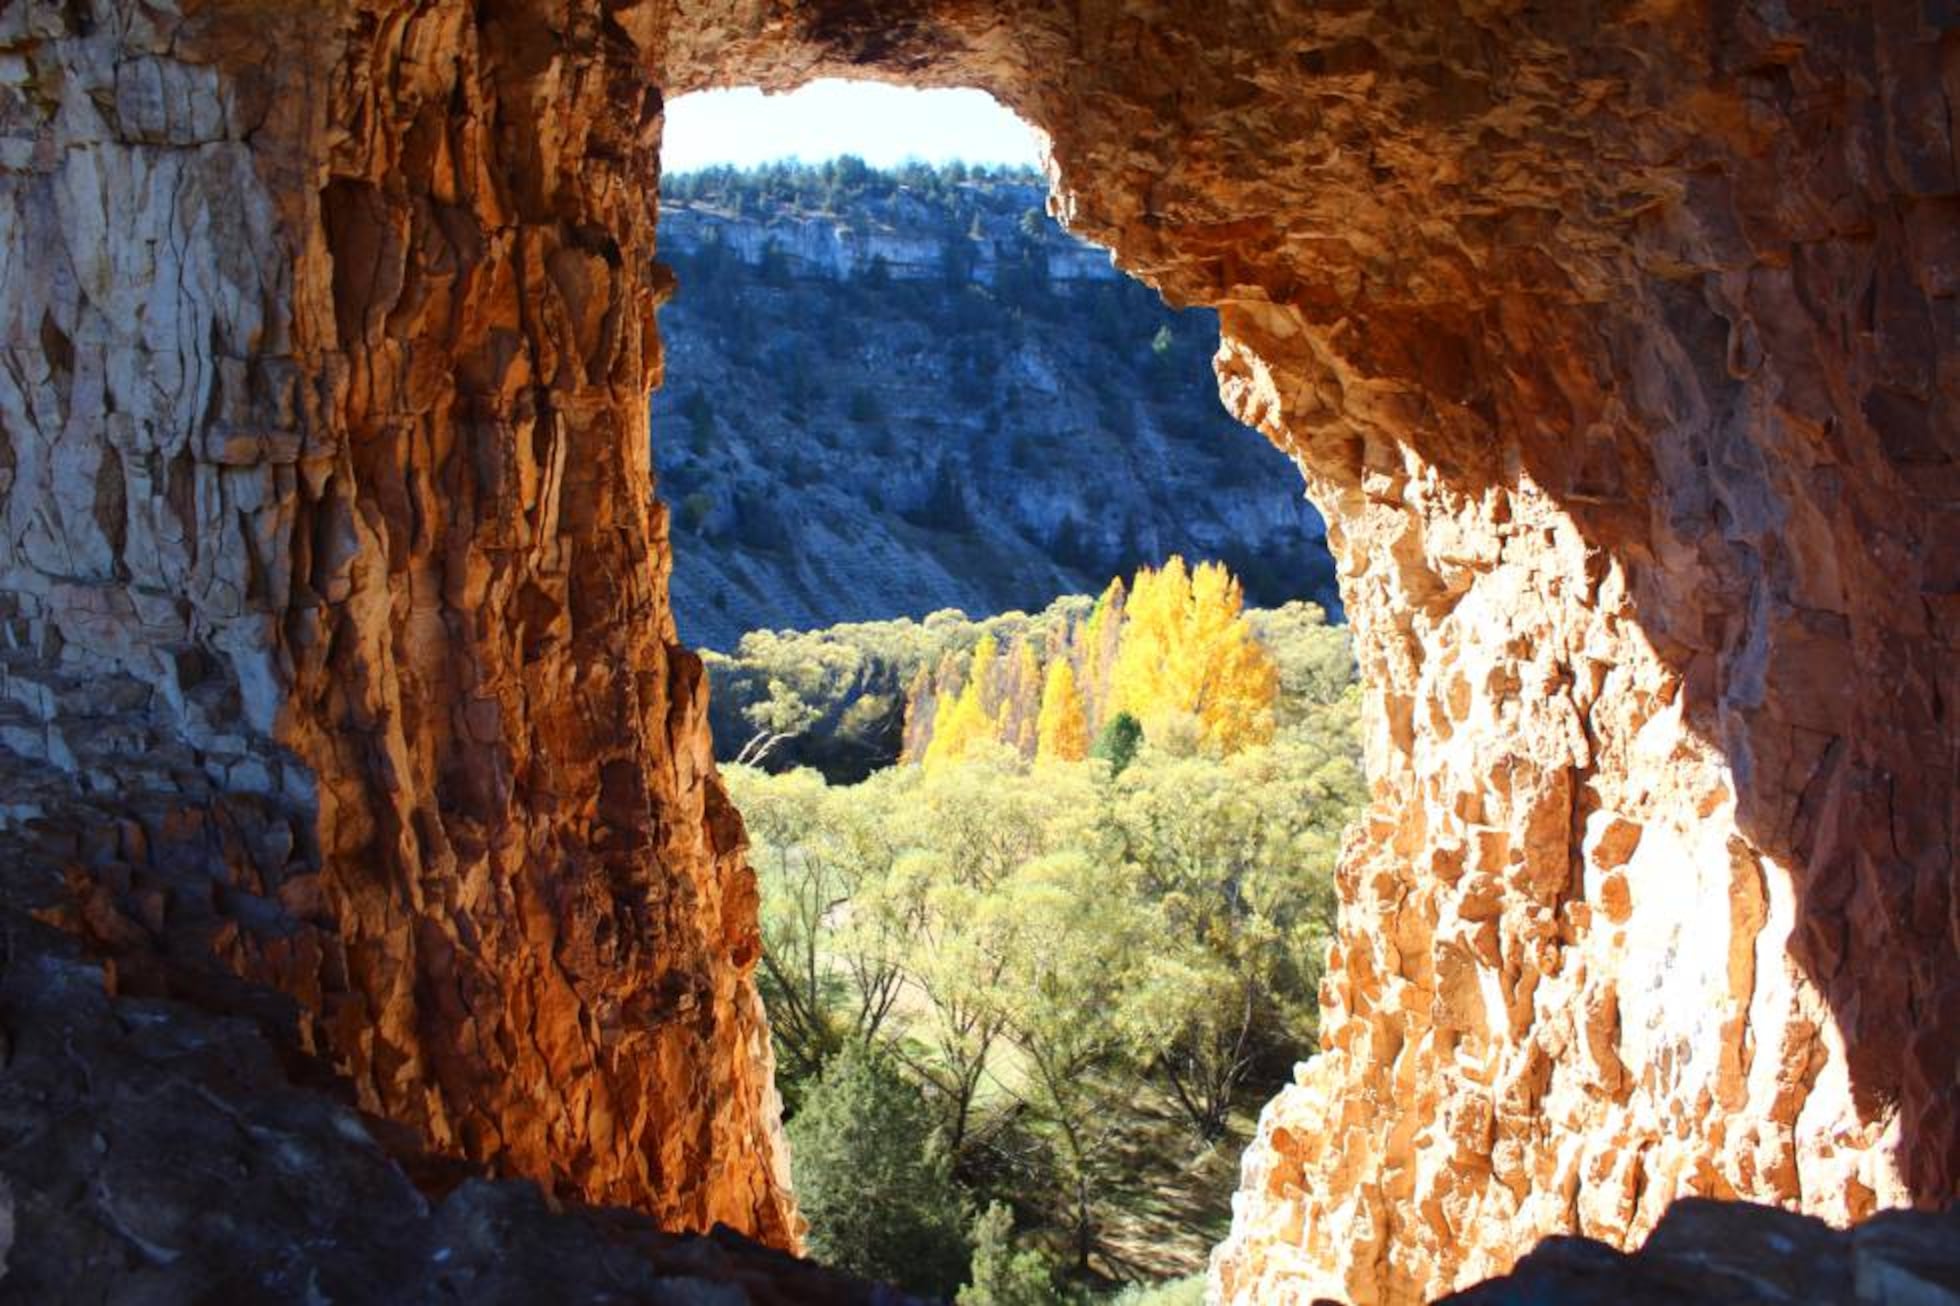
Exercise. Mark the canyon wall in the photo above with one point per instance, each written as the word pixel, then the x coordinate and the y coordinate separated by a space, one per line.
pixel 1617 344
pixel 815 478
pixel 333 571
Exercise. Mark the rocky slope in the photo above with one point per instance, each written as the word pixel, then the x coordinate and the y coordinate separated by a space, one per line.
pixel 1619 346
pixel 886 392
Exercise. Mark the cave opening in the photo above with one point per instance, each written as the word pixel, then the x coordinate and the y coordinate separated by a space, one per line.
pixel 340 666
pixel 969 544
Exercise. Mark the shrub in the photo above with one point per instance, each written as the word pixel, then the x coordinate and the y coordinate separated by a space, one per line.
pixel 695 509
pixel 865 409
pixel 1188 1291
pixel 873 1181
pixel 1004 1275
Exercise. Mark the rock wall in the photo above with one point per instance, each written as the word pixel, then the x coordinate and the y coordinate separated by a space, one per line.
pixel 331 545
pixel 1618 348
pixel 1617 344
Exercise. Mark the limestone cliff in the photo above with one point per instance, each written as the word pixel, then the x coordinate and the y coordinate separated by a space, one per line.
pixel 1619 342
pixel 885 397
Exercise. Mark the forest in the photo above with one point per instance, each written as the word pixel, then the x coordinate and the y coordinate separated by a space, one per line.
pixel 1028 983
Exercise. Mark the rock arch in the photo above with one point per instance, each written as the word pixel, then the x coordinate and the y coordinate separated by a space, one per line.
pixel 1617 345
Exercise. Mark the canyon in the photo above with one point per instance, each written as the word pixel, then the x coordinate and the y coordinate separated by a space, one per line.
pixel 884 398
pixel 346 721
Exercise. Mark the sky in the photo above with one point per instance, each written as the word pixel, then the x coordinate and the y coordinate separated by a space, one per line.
pixel 883 125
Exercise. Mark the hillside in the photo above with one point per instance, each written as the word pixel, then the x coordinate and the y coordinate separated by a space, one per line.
pixel 893 393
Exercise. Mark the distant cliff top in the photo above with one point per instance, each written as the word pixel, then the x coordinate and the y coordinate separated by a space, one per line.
pixel 843 218
pixel 849 187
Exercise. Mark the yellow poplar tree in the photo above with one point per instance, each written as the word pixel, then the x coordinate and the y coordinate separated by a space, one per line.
pixel 959 723
pixel 919 700
pixel 1022 704
pixel 1098 638
pixel 957 726
pixel 980 673
pixel 1063 733
pixel 1187 649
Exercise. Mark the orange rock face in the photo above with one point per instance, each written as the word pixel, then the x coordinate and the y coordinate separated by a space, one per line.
pixel 350 314
pixel 1617 344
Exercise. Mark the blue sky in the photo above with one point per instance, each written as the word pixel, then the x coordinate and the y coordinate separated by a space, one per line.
pixel 883 125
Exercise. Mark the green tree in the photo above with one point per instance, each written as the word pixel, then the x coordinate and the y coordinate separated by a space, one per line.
pixel 802 890
pixel 1073 936
pixel 1003 1274
pixel 1117 743
pixel 695 509
pixel 1315 660
pixel 1235 861
pixel 864 407
pixel 782 715
pixel 700 415
pixel 835 935
pixel 873 1181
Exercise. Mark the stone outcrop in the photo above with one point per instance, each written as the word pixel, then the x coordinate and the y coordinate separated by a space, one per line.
pixel 1617 343
pixel 902 237
pixel 154 1151
pixel 1742 1254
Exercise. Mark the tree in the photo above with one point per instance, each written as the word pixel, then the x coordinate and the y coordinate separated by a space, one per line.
pixel 873 1182
pixel 1062 733
pixel 1073 938
pixel 865 408
pixel 970 828
pixel 972 718
pixel 1315 660
pixel 1100 637
pixel 783 715
pixel 958 726
pixel 1234 859
pixel 1187 649
pixel 1021 695
pixel 700 415
pixel 695 510
pixel 1118 742
pixel 801 892
pixel 1002 1274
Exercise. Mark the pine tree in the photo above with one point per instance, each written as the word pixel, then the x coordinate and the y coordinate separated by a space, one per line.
pixel 904 1225
pixel 1117 744
pixel 1063 734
